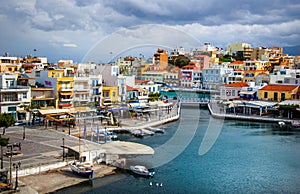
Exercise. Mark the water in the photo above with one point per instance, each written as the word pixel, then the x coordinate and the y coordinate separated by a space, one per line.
pixel 247 157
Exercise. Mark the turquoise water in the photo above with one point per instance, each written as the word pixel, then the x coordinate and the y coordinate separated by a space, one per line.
pixel 247 157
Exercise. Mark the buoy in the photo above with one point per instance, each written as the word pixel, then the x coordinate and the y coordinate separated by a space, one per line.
pixel 150 183
pixel 157 184
pixel 161 185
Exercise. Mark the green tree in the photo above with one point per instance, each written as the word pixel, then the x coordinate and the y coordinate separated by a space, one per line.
pixel 153 96
pixel 3 143
pixel 179 61
pixel 6 120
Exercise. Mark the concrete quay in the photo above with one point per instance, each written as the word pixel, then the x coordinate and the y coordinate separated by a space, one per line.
pixel 42 167
pixel 216 113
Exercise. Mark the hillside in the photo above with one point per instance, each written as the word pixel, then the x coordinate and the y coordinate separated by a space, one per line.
pixel 292 50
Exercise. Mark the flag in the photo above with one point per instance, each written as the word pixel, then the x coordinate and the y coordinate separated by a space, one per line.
pixel 84 131
pixel 98 130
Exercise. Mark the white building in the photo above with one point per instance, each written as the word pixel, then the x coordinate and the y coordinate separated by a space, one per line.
pixel 13 97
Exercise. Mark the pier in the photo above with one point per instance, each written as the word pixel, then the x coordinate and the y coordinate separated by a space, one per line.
pixel 217 111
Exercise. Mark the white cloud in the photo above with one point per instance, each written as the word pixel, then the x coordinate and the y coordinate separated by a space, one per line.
pixel 70 45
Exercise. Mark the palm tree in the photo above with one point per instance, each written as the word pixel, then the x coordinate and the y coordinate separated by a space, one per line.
pixel 29 108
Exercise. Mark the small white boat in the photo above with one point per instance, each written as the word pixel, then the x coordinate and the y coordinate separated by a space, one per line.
pixel 141 170
pixel 81 169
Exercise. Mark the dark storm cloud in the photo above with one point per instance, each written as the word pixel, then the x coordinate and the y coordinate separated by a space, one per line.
pixel 57 23
pixel 211 12
pixel 90 15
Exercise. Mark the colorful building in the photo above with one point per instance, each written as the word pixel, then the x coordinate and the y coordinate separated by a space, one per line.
pixel 62 81
pixel 13 97
pixel 278 92
pixel 232 91
pixel 161 58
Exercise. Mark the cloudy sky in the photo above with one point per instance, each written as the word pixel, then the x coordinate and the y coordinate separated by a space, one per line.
pixel 73 29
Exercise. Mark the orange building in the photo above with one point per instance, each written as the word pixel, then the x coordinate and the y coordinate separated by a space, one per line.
pixel 161 58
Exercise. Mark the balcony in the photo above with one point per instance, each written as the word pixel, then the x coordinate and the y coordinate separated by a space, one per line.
pixel 14 89
pixel 65 105
pixel 66 89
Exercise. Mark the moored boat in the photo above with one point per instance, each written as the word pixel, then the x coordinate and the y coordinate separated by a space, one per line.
pixel 141 170
pixel 81 169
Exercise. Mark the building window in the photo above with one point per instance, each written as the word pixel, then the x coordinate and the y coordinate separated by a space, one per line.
pixel 10 97
pixel 114 94
pixel 11 83
pixel 37 74
pixel 24 95
pixel 266 95
pixel 11 109
pixel 282 96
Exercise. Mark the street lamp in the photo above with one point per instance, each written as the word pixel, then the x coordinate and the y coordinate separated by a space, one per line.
pixel 10 161
pixel 23 132
pixel 69 127
pixel 17 166
pixel 63 139
pixel 11 146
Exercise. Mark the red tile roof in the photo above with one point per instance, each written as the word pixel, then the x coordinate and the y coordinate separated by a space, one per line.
pixel 238 62
pixel 129 88
pixel 191 67
pixel 278 87
pixel 237 84
pixel 141 81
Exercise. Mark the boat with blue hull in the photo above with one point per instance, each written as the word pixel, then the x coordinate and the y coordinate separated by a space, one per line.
pixel 81 169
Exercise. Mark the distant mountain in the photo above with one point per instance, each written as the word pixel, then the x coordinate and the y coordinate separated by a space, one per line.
pixel 292 50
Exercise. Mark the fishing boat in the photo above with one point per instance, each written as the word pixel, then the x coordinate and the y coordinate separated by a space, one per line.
pixel 82 169
pixel 141 170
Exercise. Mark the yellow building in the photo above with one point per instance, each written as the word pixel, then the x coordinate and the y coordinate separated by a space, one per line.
pixel 62 81
pixel 110 92
pixel 10 64
pixel 277 92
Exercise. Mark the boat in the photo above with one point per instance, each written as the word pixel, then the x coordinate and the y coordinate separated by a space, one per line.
pixel 137 133
pixel 156 130
pixel 141 170
pixel 295 124
pixel 81 169
pixel 111 135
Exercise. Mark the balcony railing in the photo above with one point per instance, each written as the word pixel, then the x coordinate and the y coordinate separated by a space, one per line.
pixel 66 89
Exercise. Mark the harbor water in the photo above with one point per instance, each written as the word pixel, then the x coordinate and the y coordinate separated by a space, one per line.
pixel 198 154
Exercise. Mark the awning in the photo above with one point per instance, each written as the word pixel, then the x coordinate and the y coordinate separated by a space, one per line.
pixel 39 99
pixel 21 111
pixel 290 102
pixel 66 93
pixel 87 92
pixel 247 92
pixel 53 111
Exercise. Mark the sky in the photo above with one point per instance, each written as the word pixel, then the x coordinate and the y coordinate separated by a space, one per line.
pixel 100 30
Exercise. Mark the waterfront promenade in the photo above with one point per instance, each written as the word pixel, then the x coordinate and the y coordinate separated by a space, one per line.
pixel 217 111
pixel 42 167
